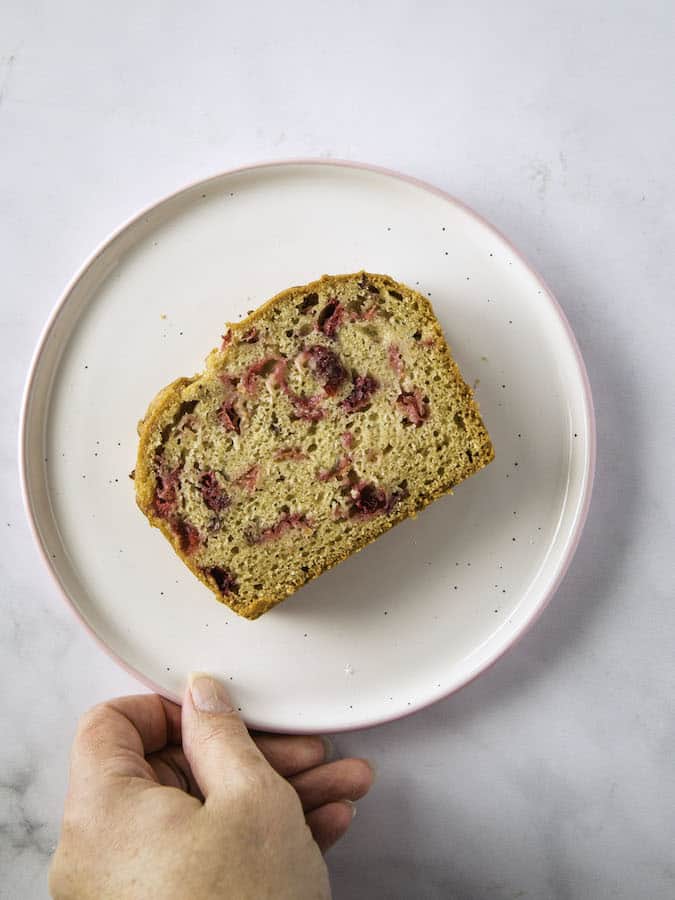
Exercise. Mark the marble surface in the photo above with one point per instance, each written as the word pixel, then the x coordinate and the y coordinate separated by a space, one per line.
pixel 551 776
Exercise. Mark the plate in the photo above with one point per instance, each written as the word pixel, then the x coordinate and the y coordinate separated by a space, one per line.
pixel 429 605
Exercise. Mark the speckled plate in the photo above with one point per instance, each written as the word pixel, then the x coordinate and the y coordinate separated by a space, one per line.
pixel 429 605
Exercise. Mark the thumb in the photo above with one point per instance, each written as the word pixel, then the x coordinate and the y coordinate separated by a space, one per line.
pixel 216 742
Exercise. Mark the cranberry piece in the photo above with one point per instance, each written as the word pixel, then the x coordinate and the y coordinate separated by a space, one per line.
pixel 337 471
pixel 294 453
pixel 188 536
pixel 249 479
pixel 285 523
pixel 308 408
pixel 165 492
pixel 413 407
pixel 278 374
pixel 260 369
pixel 225 581
pixel 229 381
pixel 330 318
pixel 252 336
pixel 326 366
pixel 363 387
pixel 213 494
pixel 368 499
pixel 395 359
pixel 229 417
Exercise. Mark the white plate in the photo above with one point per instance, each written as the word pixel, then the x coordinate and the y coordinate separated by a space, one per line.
pixel 429 605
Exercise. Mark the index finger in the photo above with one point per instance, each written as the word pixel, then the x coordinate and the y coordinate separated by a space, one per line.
pixel 114 737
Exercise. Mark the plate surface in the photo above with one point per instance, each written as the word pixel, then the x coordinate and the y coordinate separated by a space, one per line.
pixel 426 607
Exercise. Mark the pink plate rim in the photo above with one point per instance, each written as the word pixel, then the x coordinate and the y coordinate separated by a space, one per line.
pixel 591 451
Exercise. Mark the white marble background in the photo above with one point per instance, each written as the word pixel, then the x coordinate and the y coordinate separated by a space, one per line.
pixel 552 775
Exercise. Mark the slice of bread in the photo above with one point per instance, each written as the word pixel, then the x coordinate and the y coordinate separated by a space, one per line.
pixel 328 415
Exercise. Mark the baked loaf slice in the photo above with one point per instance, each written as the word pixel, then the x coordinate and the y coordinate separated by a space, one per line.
pixel 328 415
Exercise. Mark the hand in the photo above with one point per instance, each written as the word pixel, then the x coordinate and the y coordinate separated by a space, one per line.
pixel 226 815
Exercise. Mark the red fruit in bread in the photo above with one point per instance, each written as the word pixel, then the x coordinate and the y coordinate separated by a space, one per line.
pixel 325 364
pixel 368 498
pixel 188 536
pixel 330 318
pixel 364 386
pixel 165 491
pixel 225 581
pixel 213 494
pixel 412 405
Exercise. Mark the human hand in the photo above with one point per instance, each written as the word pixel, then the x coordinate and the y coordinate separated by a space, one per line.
pixel 164 803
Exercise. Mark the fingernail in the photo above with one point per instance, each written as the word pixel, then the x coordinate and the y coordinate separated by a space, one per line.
pixel 209 695
pixel 373 769
pixel 351 805
pixel 328 750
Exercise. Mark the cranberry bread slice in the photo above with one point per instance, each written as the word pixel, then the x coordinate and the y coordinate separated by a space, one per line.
pixel 328 415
